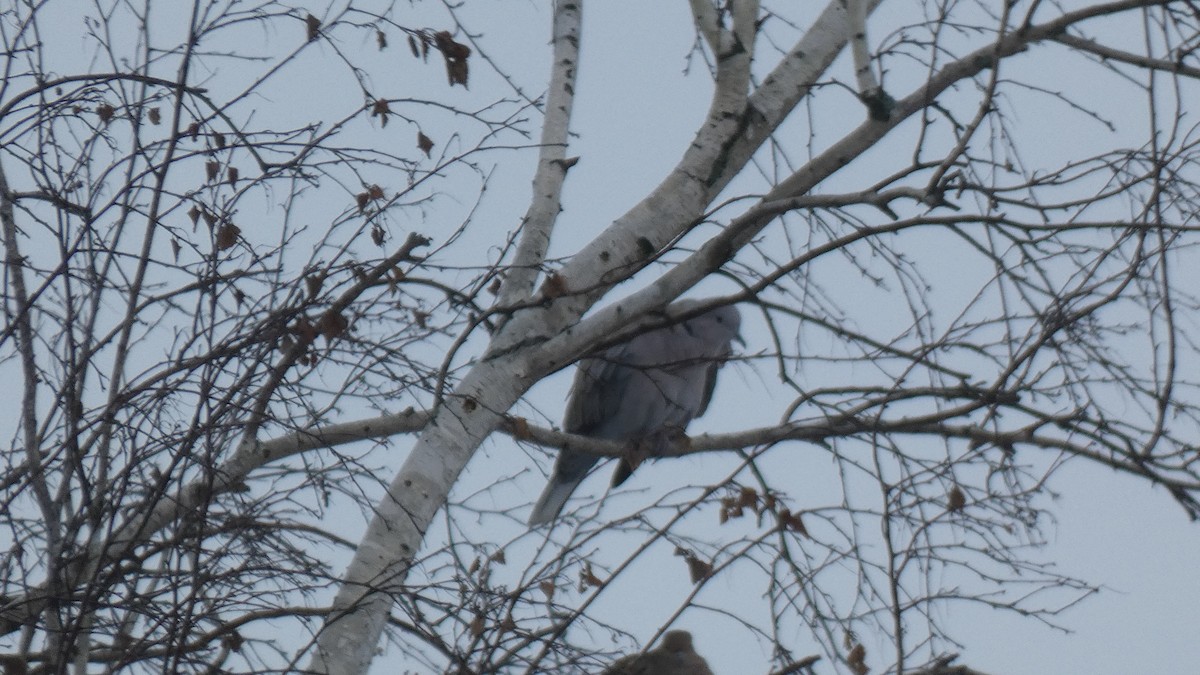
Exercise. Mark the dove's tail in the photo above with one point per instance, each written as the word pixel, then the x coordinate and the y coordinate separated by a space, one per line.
pixel 553 498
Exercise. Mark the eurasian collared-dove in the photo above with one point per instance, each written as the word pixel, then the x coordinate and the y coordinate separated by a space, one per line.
pixel 675 656
pixel 641 391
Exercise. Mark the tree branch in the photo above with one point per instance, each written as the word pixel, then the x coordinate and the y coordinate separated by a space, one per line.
pixel 546 200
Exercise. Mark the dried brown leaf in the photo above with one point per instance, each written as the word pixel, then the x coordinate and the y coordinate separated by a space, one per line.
pixel 588 579
pixel 456 72
pixel 455 55
pixel 155 116
pixel 792 521
pixel 698 569
pixel 956 500
pixel 227 236
pixel 768 503
pixel 381 108
pixel 748 496
pixel 312 26
pixel 857 660
pixel 730 508
pixel 424 143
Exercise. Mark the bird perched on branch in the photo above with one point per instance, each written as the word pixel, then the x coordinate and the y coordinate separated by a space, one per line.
pixel 675 656
pixel 643 391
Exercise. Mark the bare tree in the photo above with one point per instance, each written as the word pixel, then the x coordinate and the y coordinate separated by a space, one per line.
pixel 250 249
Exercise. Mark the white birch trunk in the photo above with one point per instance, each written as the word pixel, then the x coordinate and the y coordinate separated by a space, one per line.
pixel 539 340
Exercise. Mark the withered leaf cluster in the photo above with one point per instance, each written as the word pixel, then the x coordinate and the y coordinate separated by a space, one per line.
pixel 455 54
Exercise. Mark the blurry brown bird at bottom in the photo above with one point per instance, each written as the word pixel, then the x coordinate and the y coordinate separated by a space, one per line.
pixel 675 656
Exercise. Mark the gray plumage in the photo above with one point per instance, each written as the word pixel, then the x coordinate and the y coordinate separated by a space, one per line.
pixel 641 391
pixel 675 656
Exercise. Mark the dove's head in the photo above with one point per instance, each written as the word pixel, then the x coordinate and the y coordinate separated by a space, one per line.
pixel 719 326
pixel 678 641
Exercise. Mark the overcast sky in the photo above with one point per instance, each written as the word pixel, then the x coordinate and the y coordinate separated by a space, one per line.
pixel 635 113
pixel 641 95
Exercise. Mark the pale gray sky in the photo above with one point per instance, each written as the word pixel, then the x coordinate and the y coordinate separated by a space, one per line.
pixel 636 111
